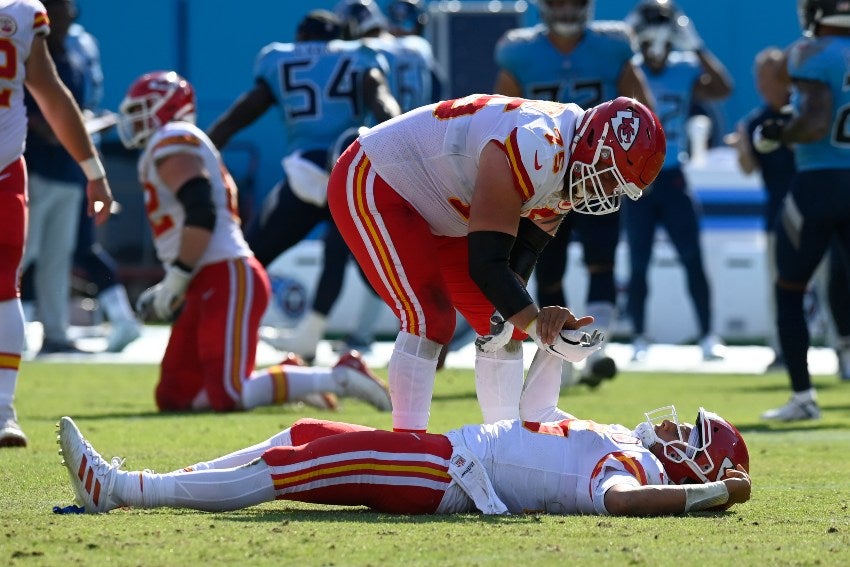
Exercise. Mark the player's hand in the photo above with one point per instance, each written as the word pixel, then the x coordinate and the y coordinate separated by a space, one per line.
pixel 500 334
pixel 738 484
pixel 574 345
pixel 685 36
pixel 767 137
pixel 553 319
pixel 100 200
pixel 161 302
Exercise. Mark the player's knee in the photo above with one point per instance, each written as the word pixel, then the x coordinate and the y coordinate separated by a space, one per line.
pixel 307 429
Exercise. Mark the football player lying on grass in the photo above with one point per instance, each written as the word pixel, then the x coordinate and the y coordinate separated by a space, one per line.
pixel 571 466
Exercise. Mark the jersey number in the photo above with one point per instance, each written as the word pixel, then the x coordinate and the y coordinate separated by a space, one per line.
pixel 586 94
pixel 841 136
pixel 342 86
pixel 8 69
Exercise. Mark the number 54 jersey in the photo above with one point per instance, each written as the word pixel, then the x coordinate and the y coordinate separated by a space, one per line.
pixel 430 156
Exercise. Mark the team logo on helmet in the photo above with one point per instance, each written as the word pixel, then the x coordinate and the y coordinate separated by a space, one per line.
pixel 8 26
pixel 625 124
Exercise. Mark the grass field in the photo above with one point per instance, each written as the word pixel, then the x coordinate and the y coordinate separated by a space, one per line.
pixel 798 514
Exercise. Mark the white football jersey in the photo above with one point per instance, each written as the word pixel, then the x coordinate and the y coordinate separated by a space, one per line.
pixel 559 468
pixel 430 155
pixel 166 214
pixel 20 22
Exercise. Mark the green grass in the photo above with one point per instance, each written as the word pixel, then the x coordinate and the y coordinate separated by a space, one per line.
pixel 798 514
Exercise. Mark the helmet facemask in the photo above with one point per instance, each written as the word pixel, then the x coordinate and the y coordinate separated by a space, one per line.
pixel 689 458
pixel 142 115
pixel 589 183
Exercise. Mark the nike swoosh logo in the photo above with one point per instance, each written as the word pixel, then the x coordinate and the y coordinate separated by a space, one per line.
pixel 536 163
pixel 4 176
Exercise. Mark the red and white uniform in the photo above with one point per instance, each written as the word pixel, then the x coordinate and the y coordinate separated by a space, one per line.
pixel 20 22
pixel 557 468
pixel 213 341
pixel 401 195
pixel 165 212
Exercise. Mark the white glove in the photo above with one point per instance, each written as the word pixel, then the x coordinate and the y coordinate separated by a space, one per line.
pixel 500 333
pixel 573 345
pixel 158 303
pixel 685 37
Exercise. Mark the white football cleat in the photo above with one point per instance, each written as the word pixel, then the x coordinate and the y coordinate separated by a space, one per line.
pixel 123 333
pixel 794 410
pixel 712 347
pixel 91 476
pixel 11 434
pixel 357 381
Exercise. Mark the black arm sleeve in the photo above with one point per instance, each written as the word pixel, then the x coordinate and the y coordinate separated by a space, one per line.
pixel 489 252
pixel 530 242
pixel 196 197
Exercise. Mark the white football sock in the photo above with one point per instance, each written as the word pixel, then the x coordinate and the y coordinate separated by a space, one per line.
pixel 210 490
pixel 116 304
pixel 283 383
pixel 498 382
pixel 539 401
pixel 412 370
pixel 243 456
pixel 11 347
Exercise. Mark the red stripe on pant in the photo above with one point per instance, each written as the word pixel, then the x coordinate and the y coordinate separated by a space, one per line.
pixel 399 473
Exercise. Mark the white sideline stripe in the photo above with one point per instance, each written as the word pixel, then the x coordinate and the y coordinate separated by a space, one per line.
pixel 149 348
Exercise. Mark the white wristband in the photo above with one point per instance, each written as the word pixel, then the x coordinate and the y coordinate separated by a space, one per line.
pixel 93 168
pixel 705 496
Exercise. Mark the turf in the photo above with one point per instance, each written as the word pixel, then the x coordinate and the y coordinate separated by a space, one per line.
pixel 798 514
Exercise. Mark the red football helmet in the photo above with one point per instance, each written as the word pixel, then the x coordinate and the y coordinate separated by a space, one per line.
pixel 153 100
pixel 618 147
pixel 714 446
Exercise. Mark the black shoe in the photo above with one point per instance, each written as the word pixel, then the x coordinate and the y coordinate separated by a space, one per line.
pixel 50 346
pixel 603 368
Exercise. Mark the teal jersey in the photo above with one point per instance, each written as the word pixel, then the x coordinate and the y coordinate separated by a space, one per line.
pixel 410 61
pixel 586 76
pixel 317 86
pixel 673 89
pixel 826 60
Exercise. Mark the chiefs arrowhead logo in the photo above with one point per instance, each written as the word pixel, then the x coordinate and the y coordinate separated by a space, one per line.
pixel 626 125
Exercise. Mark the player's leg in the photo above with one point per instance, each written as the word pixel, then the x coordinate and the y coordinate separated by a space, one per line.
pixel 802 238
pixel 181 379
pixel 640 218
pixel 302 431
pixel 838 290
pixel 53 275
pixel 498 375
pixel 389 472
pixel 681 221
pixel 599 237
pixel 389 239
pixel 392 472
pixel 233 295
pixel 12 234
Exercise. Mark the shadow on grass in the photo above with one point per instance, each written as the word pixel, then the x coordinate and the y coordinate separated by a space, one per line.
pixel 366 516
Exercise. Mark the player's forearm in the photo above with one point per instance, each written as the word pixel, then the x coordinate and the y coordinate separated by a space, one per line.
pixel 193 244
pixel 64 117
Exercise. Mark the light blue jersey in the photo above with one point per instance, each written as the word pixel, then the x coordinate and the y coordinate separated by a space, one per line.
pixel 587 76
pixel 317 87
pixel 826 60
pixel 410 61
pixel 673 88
